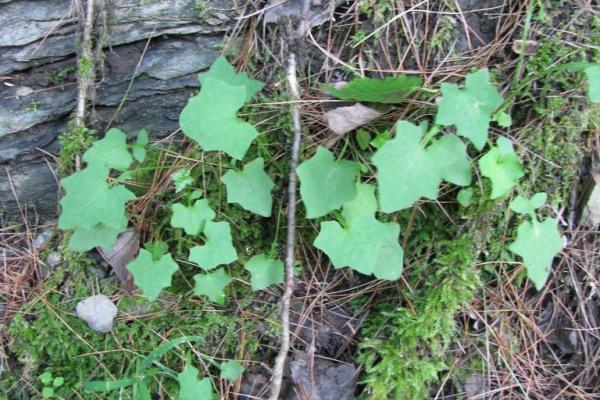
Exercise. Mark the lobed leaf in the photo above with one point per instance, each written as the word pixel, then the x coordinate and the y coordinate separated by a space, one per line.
pixel 89 200
pixel 98 236
pixel 469 108
pixel 139 148
pixel 407 171
pixel 537 244
pixel 326 184
pixel 212 285
pixel 152 275
pixel 218 248
pixel 365 245
pixel 264 271
pixel 250 188
pixel 502 166
pixel 192 388
pixel 223 71
pixel 192 219
pixel 523 205
pixel 110 152
pixel 210 118
pixel 231 370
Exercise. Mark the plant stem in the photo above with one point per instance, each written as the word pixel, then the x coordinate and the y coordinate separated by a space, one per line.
pixel 291 234
pixel 85 73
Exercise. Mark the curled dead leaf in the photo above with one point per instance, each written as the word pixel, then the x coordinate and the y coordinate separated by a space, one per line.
pixel 526 47
pixel 123 251
pixel 342 120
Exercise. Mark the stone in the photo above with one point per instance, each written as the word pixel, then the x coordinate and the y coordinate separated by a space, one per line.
pixel 38 43
pixel 323 379
pixel 53 259
pixel 42 238
pixel 98 311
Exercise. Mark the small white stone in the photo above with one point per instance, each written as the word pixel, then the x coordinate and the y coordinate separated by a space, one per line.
pixel 23 91
pixel 98 311
pixel 42 238
pixel 53 259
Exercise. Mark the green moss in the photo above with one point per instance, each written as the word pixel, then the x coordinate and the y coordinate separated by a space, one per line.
pixel 85 68
pixel 47 334
pixel 73 143
pixel 406 345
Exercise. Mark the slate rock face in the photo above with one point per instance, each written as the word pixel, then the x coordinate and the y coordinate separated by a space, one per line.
pixel 38 80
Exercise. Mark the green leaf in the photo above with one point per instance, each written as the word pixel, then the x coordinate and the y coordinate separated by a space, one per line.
pixel 326 184
pixel 449 155
pixel 182 178
pixel 264 271
pixel 98 236
pixel 363 204
pixel 389 90
pixel 469 108
pixel 502 166
pixel 192 388
pixel 156 249
pixel 593 77
pixel 141 391
pixel 523 205
pixel 577 66
pixel 210 119
pixel 363 138
pixel 212 285
pixel 538 200
pixel 139 148
pixel 503 119
pixel 225 72
pixel 107 386
pixel 47 392
pixel 89 200
pixel 464 197
pixel 46 378
pixel 250 188
pixel 110 152
pixel 150 275
pixel 218 248
pixel 231 370
pixel 537 244
pixel 406 171
pixel 192 219
pixel 366 245
pixel 58 381
pixel 381 139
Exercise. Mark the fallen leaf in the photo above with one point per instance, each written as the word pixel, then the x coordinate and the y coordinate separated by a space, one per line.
pixel 121 253
pixel 525 47
pixel 342 120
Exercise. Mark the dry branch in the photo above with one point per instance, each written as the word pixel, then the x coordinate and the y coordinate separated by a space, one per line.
pixel 291 233
pixel 85 64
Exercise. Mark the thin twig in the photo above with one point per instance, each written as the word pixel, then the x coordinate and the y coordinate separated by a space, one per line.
pixel 85 65
pixel 291 234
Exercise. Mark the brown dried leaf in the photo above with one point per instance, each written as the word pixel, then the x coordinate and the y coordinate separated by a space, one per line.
pixel 345 119
pixel 525 47
pixel 123 251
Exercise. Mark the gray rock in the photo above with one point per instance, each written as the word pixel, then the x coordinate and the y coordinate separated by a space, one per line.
pixel 322 379
pixel 37 57
pixel 98 311
pixel 53 259
pixel 42 238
